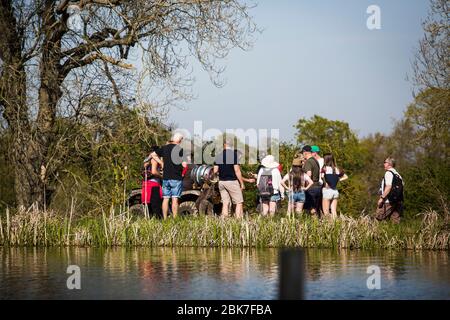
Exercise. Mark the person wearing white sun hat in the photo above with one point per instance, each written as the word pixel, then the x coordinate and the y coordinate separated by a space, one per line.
pixel 269 185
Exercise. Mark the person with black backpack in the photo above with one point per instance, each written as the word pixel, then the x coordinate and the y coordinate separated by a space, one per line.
pixel 390 204
pixel 269 185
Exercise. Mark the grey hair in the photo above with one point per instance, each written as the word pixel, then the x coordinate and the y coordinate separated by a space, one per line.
pixel 391 161
pixel 177 137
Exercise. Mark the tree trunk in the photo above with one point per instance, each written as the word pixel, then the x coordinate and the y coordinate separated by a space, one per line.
pixel 49 94
pixel 29 188
pixel 23 153
pixel 27 154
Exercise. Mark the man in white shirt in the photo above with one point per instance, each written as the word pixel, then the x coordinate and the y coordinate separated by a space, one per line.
pixel 389 209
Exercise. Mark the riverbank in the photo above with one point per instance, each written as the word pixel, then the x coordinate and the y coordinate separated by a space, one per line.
pixel 37 228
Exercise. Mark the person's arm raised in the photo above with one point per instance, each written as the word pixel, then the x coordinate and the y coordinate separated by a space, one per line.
pixel 155 170
pixel 155 157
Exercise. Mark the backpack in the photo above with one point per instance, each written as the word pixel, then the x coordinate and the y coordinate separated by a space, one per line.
pixel 265 186
pixel 396 193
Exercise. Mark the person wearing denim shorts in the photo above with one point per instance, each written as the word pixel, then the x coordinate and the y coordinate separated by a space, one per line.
pixel 298 183
pixel 174 161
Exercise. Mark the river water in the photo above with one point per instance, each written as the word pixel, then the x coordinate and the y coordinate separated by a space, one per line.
pixel 215 273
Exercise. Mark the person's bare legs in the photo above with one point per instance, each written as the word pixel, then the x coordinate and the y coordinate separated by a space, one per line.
pixel 175 207
pixel 165 207
pixel 299 207
pixel 326 207
pixel 265 208
pixel 334 208
pixel 293 208
pixel 225 208
pixel 239 213
pixel 272 208
pixel 290 209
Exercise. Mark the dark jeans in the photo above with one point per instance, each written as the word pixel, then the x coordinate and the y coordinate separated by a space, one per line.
pixel 313 196
pixel 155 205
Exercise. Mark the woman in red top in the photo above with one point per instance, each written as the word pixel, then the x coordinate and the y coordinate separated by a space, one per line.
pixel 151 194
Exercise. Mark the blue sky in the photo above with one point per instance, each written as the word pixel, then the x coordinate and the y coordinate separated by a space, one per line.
pixel 314 57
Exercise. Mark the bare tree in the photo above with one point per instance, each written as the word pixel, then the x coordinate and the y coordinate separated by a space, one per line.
pixel 51 49
pixel 432 61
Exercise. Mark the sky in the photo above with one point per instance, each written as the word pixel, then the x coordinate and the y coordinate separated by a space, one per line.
pixel 314 57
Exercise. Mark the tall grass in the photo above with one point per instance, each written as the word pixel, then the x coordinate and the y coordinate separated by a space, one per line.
pixel 37 228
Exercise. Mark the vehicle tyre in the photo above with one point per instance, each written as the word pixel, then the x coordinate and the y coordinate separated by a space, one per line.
pixel 137 210
pixel 206 207
pixel 187 208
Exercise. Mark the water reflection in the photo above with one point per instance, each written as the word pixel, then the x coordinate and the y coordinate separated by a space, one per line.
pixel 216 273
pixel 341 274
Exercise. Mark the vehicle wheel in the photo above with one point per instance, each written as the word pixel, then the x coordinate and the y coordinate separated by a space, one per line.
pixel 187 208
pixel 206 207
pixel 137 210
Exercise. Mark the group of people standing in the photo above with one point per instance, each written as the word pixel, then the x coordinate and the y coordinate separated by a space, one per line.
pixel 310 184
pixel 313 182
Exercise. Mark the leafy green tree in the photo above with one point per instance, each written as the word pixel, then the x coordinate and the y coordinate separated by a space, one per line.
pixel 332 136
pixel 429 116
pixel 337 137
pixel 421 143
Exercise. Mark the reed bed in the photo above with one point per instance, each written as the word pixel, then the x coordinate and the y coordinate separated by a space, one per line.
pixel 46 228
